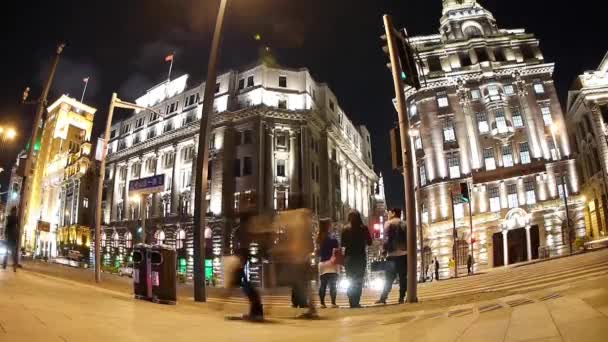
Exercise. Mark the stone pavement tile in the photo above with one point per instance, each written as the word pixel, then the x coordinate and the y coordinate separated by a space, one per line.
pixel 603 310
pixel 30 336
pixel 529 322
pixel 437 329
pixel 589 330
pixel 491 326
pixel 569 309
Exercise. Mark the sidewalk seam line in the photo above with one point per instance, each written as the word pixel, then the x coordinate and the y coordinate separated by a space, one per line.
pixel 554 323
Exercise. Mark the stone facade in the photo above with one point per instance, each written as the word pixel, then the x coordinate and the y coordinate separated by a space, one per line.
pixel 279 140
pixel 488 115
pixel 587 117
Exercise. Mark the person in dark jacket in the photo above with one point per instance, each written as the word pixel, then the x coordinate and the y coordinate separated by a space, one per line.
pixel 11 234
pixel 396 248
pixel 436 269
pixel 328 269
pixel 355 239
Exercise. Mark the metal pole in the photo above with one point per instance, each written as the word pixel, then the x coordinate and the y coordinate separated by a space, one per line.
pixel 142 213
pixel 569 229
pixel 408 176
pixel 25 189
pixel 454 235
pixel 471 225
pixel 100 180
pixel 200 191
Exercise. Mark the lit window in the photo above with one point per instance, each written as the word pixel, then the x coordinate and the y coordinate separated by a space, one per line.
pixel 509 89
pixel 180 238
pixel 490 162
pixel 517 119
pixel 418 142
pixel 186 178
pixel 494 199
pixel 539 88
pixel 422 170
pixel 85 202
pixel 281 199
pixel 530 194
pixel 493 90
pixel 501 122
pixel 512 196
pixel 547 115
pixel 458 207
pixel 159 235
pixel 454 165
pixel 561 188
pixel 524 153
pixel 237 201
pixel 281 139
pixel 482 122
pixel 129 240
pixel 280 168
pixel 552 149
pixel 283 81
pixel 507 156
pixel 442 100
pixel 187 153
pixel 448 131
pixel 475 94
pixel 413 110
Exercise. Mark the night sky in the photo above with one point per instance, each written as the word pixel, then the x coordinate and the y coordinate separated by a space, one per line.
pixel 121 46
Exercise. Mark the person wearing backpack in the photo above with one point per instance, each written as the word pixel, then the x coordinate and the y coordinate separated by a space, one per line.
pixel 395 246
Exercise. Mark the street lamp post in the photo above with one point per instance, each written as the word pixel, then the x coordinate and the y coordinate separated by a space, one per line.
pixel 115 102
pixel 562 178
pixel 200 190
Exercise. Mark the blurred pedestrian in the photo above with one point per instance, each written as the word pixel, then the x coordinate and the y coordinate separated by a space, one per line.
pixel 11 234
pixel 355 239
pixel 470 264
pixel 436 269
pixel 328 268
pixel 452 265
pixel 396 262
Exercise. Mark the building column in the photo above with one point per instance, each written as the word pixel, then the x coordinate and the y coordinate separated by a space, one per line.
pixel 598 127
pixel 529 242
pixel 293 170
pixel 505 247
pixel 522 93
pixel 174 179
pixel 156 195
pixel 270 172
pixel 125 197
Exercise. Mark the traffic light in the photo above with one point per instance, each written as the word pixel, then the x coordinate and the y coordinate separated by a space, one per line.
pixel 464 192
pixel 396 156
pixel 406 57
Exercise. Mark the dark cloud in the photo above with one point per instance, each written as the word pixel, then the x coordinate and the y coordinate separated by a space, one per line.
pixel 69 78
pixel 135 86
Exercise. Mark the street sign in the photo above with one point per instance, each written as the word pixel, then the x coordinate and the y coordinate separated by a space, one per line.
pixel 147 185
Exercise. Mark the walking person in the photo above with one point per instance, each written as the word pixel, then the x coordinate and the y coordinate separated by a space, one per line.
pixel 355 239
pixel 452 265
pixel 11 234
pixel 328 268
pixel 396 262
pixel 436 269
pixel 470 264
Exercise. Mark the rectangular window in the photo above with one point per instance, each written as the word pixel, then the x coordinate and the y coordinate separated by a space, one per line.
pixel 494 195
pixel 465 59
pixel 524 153
pixel 512 196
pixel 237 167
pixel 418 142
pixel 187 153
pixel 482 122
pixel 509 89
pixel 547 119
pixel 448 131
pixel 442 100
pixel 136 139
pixel 241 84
pixel 135 170
pixel 151 133
pixel 212 142
pixel 113 134
pixel 85 202
pixel 282 104
pixel 168 159
pixel 247 137
pixel 539 88
pixel 151 165
pixel 434 63
pixel 488 155
pixel 530 194
pixel 499 55
pixel 280 168
pixel 168 126
pixel 249 81
pixel 210 170
pixel 422 170
pixel 561 188
pixel 247 166
pixel 454 165
pixel 475 94
pixel 217 87
pixel 552 149
pixel 281 140
pixel 283 81
pixel 507 156
pixel 458 207
pixel 186 178
pixel 493 90
pixel 482 55
pixel 501 122
pixel 153 117
pixel 517 119
pixel 281 200
pixel 126 129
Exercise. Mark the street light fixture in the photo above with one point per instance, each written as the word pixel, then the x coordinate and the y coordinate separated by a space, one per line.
pixel 115 102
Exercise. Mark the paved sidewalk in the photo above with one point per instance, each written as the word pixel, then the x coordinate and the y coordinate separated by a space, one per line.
pixel 41 308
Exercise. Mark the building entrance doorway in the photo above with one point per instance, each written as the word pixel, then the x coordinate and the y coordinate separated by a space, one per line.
pixel 516 248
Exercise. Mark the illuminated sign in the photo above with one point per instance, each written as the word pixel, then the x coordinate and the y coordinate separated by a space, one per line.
pixel 147 185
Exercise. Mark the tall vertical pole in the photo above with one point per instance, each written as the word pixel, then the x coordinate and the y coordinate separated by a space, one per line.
pixel 200 190
pixel 471 225
pixel 569 229
pixel 406 151
pixel 25 187
pixel 143 206
pixel 100 179
pixel 454 234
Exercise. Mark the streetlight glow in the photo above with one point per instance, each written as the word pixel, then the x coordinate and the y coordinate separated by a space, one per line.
pixel 11 133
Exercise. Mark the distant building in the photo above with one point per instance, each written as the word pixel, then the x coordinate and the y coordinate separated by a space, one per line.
pixel 66 131
pixel 279 140
pixel 587 118
pixel 489 116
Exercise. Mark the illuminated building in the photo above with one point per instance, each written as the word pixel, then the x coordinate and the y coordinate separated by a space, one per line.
pixel 279 140
pixel 488 115
pixel 65 133
pixel 587 117
pixel 14 185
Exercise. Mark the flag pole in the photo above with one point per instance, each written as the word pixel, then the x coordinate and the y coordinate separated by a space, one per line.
pixel 170 68
pixel 86 83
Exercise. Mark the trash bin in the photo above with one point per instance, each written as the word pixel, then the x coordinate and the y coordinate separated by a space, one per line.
pixel 142 284
pixel 163 261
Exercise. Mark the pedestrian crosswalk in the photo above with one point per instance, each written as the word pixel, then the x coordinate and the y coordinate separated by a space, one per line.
pixel 526 277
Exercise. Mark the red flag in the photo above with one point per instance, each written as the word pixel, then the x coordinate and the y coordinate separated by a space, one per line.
pixel 169 58
pixel 85 80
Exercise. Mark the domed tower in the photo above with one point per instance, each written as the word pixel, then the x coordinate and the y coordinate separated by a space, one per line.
pixel 488 115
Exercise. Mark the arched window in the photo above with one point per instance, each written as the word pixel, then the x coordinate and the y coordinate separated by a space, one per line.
pixel 160 237
pixel 115 240
pixel 472 31
pixel 180 238
pixel 129 240
pixel 103 239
